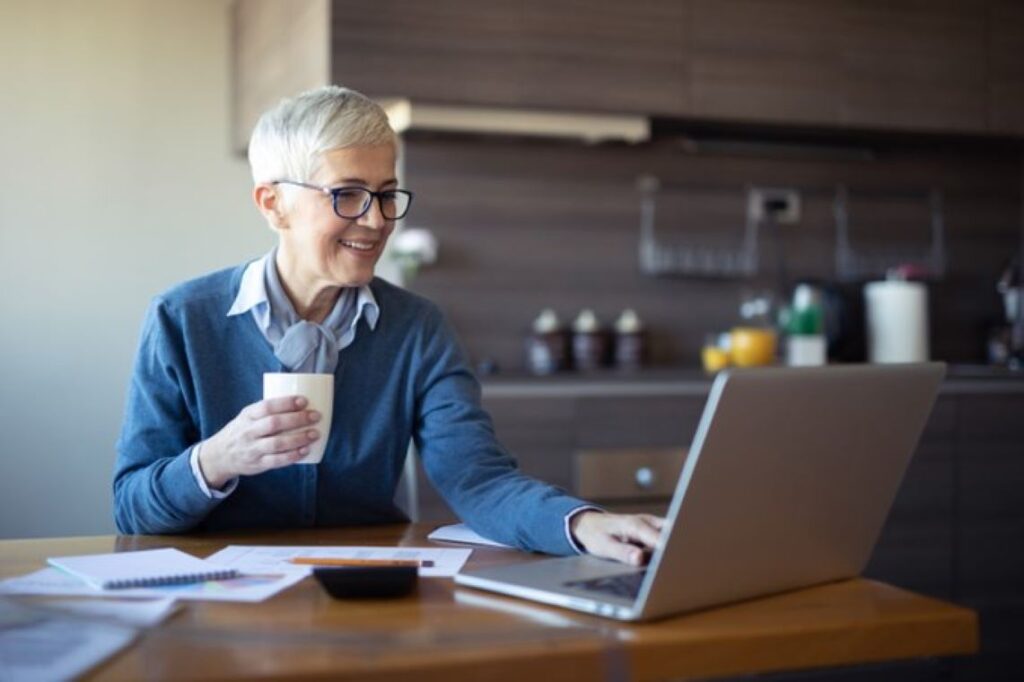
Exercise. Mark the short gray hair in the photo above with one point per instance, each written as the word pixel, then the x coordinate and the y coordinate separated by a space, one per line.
pixel 289 139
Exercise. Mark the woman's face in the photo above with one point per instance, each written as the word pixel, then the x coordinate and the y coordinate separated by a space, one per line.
pixel 323 250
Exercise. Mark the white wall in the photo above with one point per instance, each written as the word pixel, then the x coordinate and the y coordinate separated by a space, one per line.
pixel 116 181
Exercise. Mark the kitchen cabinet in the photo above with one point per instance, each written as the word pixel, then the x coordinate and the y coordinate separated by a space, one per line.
pixel 599 55
pixel 449 51
pixel 989 530
pixel 605 55
pixel 903 65
pixel 907 65
pixel 915 65
pixel 766 61
pixel 915 549
pixel 1006 67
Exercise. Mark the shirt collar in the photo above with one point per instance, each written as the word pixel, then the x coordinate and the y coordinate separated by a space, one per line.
pixel 252 295
pixel 251 291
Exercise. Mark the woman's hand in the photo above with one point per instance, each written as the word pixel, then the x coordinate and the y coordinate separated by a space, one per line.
pixel 623 537
pixel 265 435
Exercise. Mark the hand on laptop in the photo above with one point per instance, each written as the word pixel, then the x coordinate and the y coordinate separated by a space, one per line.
pixel 623 537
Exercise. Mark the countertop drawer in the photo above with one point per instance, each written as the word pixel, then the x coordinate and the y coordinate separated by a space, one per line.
pixel 627 474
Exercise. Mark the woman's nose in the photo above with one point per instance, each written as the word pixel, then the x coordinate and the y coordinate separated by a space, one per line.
pixel 374 217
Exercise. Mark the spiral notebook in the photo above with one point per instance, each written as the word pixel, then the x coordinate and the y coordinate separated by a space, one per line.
pixel 144 568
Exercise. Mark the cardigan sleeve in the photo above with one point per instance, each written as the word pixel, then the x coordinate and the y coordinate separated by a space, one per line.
pixel 154 488
pixel 463 459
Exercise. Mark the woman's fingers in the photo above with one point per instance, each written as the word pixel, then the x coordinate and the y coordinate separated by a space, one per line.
pixel 623 537
pixel 265 435
pixel 635 529
pixel 276 432
pixel 629 536
pixel 612 548
pixel 281 443
pixel 268 462
pixel 273 424
pixel 265 408
pixel 656 521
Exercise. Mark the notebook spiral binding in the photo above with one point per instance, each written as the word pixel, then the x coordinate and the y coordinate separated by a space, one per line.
pixel 159 581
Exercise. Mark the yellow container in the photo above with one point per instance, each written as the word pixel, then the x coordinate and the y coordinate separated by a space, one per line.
pixel 714 358
pixel 752 346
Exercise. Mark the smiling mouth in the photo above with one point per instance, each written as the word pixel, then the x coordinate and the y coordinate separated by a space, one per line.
pixel 364 247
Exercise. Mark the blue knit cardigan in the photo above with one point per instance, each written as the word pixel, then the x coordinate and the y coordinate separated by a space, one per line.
pixel 408 378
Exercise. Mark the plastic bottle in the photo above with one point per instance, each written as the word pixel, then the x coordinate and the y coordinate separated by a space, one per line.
pixel 630 341
pixel 805 341
pixel 547 347
pixel 589 342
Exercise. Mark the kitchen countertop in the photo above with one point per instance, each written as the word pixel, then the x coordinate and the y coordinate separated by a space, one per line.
pixel 683 381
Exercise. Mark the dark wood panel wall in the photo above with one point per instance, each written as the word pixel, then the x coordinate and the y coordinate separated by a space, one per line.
pixel 526 224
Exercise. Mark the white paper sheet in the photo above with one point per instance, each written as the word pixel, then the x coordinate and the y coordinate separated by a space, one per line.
pixel 44 648
pixel 246 558
pixel 252 587
pixel 137 612
pixel 460 532
pixel 143 568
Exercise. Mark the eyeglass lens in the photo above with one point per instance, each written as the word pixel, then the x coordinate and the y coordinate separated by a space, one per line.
pixel 354 202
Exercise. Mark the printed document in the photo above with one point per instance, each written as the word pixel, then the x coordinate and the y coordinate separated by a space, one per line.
pixel 251 587
pixel 260 558
pixel 460 532
pixel 39 646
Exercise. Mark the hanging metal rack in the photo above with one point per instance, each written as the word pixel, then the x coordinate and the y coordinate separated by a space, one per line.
pixel 859 263
pixel 659 259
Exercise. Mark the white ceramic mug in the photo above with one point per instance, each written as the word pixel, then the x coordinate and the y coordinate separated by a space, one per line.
pixel 318 389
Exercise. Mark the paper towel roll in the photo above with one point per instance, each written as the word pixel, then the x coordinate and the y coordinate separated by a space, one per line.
pixel 897 321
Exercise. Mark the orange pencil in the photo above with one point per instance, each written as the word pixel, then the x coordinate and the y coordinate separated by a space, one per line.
pixel 322 561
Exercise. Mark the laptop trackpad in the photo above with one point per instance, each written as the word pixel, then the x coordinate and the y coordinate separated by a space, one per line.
pixel 626 585
pixel 565 575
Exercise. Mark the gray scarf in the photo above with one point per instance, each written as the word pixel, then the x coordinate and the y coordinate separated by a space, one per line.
pixel 300 345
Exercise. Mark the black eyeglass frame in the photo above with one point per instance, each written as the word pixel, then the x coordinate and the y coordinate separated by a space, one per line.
pixel 334 192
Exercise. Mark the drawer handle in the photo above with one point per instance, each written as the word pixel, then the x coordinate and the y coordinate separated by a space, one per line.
pixel 644 478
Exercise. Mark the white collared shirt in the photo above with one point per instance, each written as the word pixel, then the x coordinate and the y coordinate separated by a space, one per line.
pixel 252 296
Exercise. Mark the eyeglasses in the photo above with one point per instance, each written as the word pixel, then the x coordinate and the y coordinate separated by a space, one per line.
pixel 353 202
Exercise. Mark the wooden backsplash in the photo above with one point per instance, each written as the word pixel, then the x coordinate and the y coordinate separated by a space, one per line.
pixel 528 224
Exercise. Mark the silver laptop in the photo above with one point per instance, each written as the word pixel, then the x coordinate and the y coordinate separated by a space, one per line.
pixel 789 480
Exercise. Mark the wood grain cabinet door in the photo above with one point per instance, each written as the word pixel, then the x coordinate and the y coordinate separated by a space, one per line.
pixel 907 65
pixel 1006 67
pixel 446 51
pixel 989 532
pixel 637 421
pixel 605 55
pixel 597 55
pixel 630 479
pixel 765 61
pixel 915 65
pixel 915 549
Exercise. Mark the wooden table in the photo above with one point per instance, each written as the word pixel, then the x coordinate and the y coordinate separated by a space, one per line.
pixel 451 633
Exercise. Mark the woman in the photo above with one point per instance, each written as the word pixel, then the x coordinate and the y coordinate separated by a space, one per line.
pixel 199 449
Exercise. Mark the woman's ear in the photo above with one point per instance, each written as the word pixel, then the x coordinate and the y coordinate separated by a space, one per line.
pixel 269 202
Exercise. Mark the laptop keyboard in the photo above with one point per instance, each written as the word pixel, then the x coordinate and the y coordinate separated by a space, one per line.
pixel 626 585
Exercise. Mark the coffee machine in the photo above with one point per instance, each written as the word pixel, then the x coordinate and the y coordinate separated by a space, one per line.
pixel 1006 340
